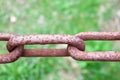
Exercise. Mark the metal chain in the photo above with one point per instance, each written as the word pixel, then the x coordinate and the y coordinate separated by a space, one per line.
pixel 75 49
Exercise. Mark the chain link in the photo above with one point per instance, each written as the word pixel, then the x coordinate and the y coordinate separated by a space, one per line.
pixel 75 49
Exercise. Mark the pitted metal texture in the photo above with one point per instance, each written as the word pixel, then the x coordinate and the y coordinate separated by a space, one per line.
pixel 75 48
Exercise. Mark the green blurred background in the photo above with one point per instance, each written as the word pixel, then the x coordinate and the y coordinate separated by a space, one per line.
pixel 60 17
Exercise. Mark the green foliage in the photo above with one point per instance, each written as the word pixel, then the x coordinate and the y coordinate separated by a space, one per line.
pixel 53 17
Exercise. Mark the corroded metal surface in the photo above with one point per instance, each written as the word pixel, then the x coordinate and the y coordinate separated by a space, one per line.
pixel 46 39
pixel 93 56
pixel 5 36
pixel 99 35
pixel 14 54
pixel 45 53
pixel 75 49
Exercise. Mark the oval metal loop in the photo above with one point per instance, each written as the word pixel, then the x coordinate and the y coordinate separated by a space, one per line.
pixel 93 56
pixel 14 54
pixel 45 39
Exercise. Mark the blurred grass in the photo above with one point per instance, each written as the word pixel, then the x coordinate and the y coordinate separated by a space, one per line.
pixel 53 17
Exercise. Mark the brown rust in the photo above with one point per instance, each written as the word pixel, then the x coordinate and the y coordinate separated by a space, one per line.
pixel 93 56
pixel 14 55
pixel 75 48
pixel 46 39
pixel 45 53
pixel 5 36
pixel 99 35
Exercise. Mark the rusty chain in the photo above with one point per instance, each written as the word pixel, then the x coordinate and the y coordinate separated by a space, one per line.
pixel 75 49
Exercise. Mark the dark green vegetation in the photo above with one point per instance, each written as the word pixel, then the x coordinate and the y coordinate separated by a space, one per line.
pixel 54 17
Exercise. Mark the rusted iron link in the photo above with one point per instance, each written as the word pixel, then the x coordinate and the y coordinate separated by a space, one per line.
pixel 14 55
pixel 75 47
pixel 81 55
pixel 95 56
pixel 85 36
pixel 45 39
